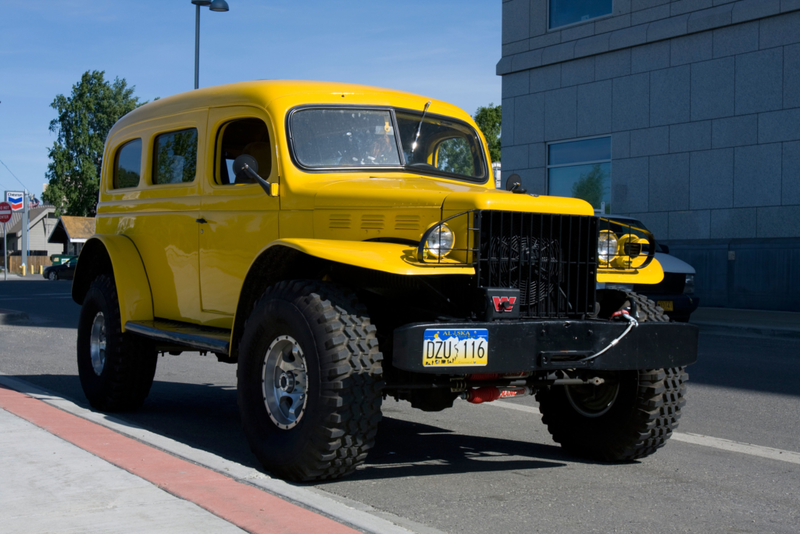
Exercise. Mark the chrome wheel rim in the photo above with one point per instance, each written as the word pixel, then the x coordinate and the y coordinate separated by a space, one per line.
pixel 593 401
pixel 284 382
pixel 97 343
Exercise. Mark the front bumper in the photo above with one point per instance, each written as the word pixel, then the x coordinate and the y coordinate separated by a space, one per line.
pixel 541 345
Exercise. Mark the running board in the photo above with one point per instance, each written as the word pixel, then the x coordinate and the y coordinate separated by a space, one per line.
pixel 187 335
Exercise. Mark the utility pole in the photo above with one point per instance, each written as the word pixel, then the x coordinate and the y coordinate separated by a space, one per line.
pixel 24 247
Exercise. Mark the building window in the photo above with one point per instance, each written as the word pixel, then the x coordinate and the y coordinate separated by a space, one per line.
pixel 581 169
pixel 175 157
pixel 564 12
pixel 128 165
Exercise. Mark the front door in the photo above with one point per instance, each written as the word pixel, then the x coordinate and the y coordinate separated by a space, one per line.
pixel 237 219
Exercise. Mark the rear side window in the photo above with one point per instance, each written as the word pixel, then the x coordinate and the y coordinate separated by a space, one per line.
pixel 128 165
pixel 175 157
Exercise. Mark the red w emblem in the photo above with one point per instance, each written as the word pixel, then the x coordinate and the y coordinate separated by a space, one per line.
pixel 503 304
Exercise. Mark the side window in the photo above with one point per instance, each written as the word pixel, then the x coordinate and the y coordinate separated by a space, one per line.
pixel 175 157
pixel 247 140
pixel 128 165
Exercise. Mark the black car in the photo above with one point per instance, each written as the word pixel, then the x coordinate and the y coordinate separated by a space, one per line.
pixel 675 293
pixel 65 271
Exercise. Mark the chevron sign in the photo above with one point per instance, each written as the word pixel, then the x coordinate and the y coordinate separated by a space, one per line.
pixel 15 199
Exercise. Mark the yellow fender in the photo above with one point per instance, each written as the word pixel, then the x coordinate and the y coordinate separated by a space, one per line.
pixel 133 287
pixel 651 274
pixel 387 257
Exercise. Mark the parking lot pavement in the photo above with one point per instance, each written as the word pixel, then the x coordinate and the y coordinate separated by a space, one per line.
pixel 65 473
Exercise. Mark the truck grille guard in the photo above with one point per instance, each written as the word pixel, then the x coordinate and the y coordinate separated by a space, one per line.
pixel 551 259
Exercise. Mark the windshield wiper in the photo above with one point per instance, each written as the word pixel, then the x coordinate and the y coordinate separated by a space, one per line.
pixel 419 127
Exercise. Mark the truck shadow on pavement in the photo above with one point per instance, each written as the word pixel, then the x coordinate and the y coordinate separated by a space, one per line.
pixel 206 417
pixel 410 449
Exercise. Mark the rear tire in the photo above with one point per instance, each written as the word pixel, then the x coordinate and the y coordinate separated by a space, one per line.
pixel 116 370
pixel 629 416
pixel 309 381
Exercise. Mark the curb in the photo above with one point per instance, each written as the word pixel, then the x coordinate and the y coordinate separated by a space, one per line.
pixel 13 317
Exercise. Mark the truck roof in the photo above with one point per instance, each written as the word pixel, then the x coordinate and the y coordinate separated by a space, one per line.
pixel 263 93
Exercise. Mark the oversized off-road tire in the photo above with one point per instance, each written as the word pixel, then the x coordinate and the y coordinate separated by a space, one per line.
pixel 629 416
pixel 646 309
pixel 309 381
pixel 116 370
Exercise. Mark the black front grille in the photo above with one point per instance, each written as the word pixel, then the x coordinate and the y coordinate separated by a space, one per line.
pixel 551 259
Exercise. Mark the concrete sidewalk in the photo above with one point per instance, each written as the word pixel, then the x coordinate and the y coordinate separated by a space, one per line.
pixel 747 322
pixel 64 473
pixel 51 485
pixel 70 469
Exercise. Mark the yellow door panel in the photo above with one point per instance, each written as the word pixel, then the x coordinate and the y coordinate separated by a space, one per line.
pixel 239 218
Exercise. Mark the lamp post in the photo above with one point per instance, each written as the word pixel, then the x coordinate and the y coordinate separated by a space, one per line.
pixel 216 5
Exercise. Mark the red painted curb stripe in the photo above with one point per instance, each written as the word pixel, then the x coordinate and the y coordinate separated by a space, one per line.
pixel 245 506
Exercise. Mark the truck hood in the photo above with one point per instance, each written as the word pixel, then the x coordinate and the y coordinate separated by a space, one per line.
pixel 385 192
pixel 388 191
pixel 671 264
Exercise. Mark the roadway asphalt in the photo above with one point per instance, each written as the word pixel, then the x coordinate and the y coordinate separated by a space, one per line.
pixel 65 472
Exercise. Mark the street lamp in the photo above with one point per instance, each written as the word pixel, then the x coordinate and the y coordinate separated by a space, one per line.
pixel 216 5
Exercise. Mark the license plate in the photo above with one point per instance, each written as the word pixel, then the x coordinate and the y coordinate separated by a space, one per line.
pixel 666 305
pixel 443 347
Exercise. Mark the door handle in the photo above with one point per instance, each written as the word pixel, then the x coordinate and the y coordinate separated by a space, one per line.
pixel 201 220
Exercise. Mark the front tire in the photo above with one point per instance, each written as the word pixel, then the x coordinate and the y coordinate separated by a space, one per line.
pixel 629 416
pixel 116 369
pixel 309 381
pixel 52 276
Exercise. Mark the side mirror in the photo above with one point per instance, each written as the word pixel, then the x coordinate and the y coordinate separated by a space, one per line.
pixel 514 184
pixel 246 165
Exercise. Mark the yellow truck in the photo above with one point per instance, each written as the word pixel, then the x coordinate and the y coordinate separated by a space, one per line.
pixel 343 243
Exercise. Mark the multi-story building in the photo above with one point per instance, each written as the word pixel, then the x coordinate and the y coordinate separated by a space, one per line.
pixel 683 113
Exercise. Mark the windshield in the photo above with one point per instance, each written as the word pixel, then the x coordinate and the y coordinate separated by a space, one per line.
pixel 443 145
pixel 325 138
pixel 329 138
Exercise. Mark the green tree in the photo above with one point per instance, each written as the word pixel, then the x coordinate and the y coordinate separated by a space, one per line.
pixel 84 120
pixel 591 187
pixel 455 156
pixel 489 120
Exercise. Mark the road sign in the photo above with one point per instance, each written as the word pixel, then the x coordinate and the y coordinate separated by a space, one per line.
pixel 15 199
pixel 5 212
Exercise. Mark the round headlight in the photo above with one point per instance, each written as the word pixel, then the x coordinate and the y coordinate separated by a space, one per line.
pixel 440 241
pixel 607 246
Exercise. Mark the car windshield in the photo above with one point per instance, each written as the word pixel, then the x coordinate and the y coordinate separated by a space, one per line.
pixel 329 138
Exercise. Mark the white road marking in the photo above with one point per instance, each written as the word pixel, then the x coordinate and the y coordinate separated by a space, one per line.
pixel 694 439
pixel 735 446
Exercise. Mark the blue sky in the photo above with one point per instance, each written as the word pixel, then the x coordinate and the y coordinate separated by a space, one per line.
pixel 445 49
